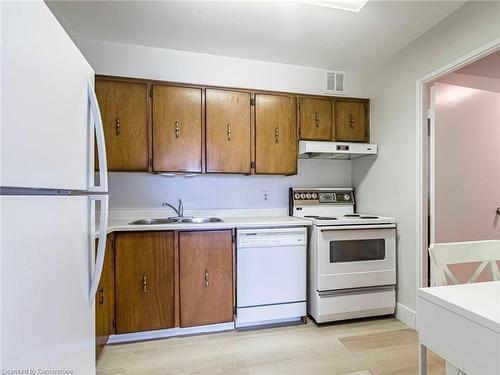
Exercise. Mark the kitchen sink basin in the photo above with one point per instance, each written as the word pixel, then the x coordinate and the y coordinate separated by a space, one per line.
pixel 177 220
pixel 170 220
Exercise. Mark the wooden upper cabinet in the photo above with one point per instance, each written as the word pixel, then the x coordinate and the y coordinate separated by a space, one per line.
pixel 105 298
pixel 177 129
pixel 228 131
pixel 206 277
pixel 316 119
pixel 145 281
pixel 351 120
pixel 124 111
pixel 275 134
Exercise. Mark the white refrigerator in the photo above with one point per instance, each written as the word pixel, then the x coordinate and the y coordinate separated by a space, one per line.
pixel 49 270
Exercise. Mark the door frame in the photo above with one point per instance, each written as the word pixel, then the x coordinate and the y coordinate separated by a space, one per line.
pixel 423 148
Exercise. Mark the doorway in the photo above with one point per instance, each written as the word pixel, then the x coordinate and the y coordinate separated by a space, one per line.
pixel 459 145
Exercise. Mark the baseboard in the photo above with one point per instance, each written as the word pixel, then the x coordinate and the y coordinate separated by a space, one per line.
pixel 406 315
pixel 171 332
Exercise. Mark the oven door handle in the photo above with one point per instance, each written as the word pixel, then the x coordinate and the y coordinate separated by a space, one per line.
pixel 358 227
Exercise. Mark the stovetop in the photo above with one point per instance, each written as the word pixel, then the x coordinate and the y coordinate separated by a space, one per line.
pixel 349 219
pixel 330 207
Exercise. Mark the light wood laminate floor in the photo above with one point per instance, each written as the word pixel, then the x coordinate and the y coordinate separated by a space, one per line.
pixel 364 347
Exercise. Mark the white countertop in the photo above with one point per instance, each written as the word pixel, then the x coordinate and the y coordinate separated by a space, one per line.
pixel 119 222
pixel 479 302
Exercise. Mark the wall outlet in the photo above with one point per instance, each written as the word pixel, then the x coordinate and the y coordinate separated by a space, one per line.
pixel 265 196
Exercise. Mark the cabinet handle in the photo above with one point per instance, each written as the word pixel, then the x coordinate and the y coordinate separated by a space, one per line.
pixel 118 126
pixel 144 282
pixel 229 132
pixel 177 129
pixel 277 135
pixel 351 121
pixel 317 119
pixel 206 278
pixel 101 296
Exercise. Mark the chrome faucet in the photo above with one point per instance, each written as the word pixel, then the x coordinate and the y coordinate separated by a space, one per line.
pixel 179 211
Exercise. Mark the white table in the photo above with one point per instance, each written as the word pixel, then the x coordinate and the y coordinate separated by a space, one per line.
pixel 461 323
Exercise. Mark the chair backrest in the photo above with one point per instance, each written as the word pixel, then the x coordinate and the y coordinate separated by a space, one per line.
pixel 444 254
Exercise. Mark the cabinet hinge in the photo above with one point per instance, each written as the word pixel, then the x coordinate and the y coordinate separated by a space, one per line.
pixel 151 92
pixel 252 164
pixel 113 243
pixel 252 101
pixel 428 126
pixel 113 323
pixel 151 163
pixel 233 238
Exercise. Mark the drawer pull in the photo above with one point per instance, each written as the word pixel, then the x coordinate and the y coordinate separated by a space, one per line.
pixel 206 278
pixel 101 296
pixel 177 129
pixel 277 135
pixel 351 121
pixel 144 282
pixel 317 119
pixel 229 132
pixel 118 126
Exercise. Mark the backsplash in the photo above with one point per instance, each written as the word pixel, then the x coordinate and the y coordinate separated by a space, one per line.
pixel 145 191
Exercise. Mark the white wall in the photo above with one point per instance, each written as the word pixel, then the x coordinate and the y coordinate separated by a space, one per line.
pixel 199 68
pixel 467 163
pixel 388 184
pixel 216 191
pixel 132 190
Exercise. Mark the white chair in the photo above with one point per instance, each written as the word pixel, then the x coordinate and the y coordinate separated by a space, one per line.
pixel 444 254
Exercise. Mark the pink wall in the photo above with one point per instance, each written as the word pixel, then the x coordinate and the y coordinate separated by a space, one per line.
pixel 467 163
pixel 467 167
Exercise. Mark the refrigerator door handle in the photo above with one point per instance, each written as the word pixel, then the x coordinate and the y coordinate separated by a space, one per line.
pixel 101 245
pixel 101 146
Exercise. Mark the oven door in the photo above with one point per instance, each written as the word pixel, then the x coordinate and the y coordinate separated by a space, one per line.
pixel 356 256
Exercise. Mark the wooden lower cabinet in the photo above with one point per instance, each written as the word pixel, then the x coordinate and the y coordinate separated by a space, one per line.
pixel 105 299
pixel 145 281
pixel 206 277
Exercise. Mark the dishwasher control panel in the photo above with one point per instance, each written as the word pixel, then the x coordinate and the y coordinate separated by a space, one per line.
pixel 271 237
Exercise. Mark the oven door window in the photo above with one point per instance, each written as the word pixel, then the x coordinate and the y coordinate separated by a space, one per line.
pixel 357 250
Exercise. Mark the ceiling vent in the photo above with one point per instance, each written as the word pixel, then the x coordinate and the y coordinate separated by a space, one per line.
pixel 335 82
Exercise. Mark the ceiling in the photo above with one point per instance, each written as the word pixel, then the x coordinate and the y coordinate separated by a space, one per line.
pixel 277 31
pixel 488 66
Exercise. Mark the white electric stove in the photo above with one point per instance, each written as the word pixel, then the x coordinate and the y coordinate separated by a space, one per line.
pixel 351 257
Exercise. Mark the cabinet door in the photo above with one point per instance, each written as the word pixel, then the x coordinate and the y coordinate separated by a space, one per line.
pixel 316 119
pixel 228 131
pixel 176 129
pixel 275 134
pixel 351 120
pixel 145 293
pixel 105 298
pixel 206 277
pixel 124 111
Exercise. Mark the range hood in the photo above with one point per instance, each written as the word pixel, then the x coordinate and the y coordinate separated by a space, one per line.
pixel 335 150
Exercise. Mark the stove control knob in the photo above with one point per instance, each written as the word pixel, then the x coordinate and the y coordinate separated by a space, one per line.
pixel 347 197
pixel 314 196
pixel 302 195
pixel 296 195
pixel 308 195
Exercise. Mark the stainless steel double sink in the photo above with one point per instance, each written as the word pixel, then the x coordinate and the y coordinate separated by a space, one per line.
pixel 177 220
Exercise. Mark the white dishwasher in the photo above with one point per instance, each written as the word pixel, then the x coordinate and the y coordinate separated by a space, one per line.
pixel 270 275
